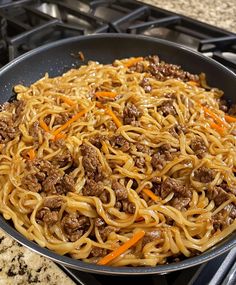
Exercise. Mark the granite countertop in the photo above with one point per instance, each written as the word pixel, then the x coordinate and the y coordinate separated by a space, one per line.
pixel 19 265
pixel 215 12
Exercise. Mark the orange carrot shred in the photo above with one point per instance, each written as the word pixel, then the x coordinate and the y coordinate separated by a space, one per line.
pixel 230 119
pixel 99 105
pixel 114 117
pixel 107 94
pixel 43 125
pixel 69 122
pixel 150 194
pixel 67 100
pixel 120 250
pixel 217 119
pixel 130 62
pixel 218 128
pixel 31 154
pixel 59 136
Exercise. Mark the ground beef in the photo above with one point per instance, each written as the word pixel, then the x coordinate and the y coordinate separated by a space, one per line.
pixel 42 176
pixel 56 144
pixel 138 67
pixel 53 203
pixel 143 148
pixel 180 203
pixel 120 190
pixel 167 108
pixel 151 236
pixel 163 71
pixel 62 160
pixel 105 197
pixel 158 161
pixel 225 217
pixel 40 166
pixel 231 209
pixel 125 206
pixel 104 229
pixel 139 161
pixel 111 126
pixel 120 142
pixel 75 225
pixel 204 174
pixel 164 154
pixel 145 84
pixel 130 114
pixel 55 183
pixel 170 185
pixel 97 140
pixel 98 251
pixel 93 188
pixel 31 183
pixel 156 186
pixel 99 222
pixel 19 107
pixel 182 194
pixel 34 130
pixel 217 194
pixel 227 188
pixel 177 129
pixel 198 146
pixel 61 119
pixel 47 216
pixel 47 119
pixel 166 147
pixel 92 165
pixel 7 131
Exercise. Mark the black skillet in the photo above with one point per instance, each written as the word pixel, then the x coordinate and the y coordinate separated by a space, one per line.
pixel 56 58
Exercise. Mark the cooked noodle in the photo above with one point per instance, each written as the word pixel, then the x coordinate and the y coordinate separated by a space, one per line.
pixel 79 151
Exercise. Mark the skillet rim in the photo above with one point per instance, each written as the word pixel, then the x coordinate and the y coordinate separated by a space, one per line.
pixel 217 250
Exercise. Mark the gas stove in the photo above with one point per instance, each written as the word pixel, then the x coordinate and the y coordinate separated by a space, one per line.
pixel 27 24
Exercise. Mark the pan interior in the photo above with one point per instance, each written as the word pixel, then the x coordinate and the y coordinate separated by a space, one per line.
pixel 57 58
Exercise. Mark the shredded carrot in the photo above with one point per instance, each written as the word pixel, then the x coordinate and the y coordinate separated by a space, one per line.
pixel 130 62
pixel 69 122
pixel 193 83
pixel 31 154
pixel 67 100
pixel 217 119
pixel 114 117
pixel 150 194
pixel 218 128
pixel 230 119
pixel 99 105
pixel 43 125
pixel 107 94
pixel 120 250
pixel 59 136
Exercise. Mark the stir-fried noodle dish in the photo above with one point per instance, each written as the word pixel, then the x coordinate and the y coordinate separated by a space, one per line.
pixel 124 164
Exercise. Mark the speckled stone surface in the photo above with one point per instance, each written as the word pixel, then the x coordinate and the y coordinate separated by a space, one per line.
pixel 20 266
pixel 215 12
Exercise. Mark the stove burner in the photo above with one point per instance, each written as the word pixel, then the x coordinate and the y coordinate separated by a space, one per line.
pixel 26 24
